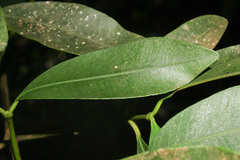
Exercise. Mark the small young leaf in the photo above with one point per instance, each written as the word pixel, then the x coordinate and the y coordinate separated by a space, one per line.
pixel 145 67
pixel 141 145
pixel 204 31
pixel 226 66
pixel 154 129
pixel 69 27
pixel 188 153
pixel 3 34
pixel 212 121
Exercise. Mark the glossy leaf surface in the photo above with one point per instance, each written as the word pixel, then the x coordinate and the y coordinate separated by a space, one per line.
pixel 140 68
pixel 69 27
pixel 227 65
pixel 212 121
pixel 188 153
pixel 204 31
pixel 3 34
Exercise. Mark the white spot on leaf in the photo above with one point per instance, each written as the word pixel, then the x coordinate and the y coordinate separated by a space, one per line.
pixel 186 27
pixel 86 18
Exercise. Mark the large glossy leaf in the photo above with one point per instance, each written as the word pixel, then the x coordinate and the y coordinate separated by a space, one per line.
pixel 188 153
pixel 144 67
pixel 227 65
pixel 204 31
pixel 212 121
pixel 3 34
pixel 69 27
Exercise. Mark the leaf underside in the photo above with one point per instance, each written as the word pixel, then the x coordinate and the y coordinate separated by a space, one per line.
pixel 212 121
pixel 140 68
pixel 68 27
pixel 187 153
pixel 80 29
pixel 205 31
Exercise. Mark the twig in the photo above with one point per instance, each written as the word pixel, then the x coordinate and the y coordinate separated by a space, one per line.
pixel 8 124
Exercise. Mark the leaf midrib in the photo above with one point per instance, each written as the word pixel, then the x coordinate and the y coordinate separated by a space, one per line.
pixel 107 75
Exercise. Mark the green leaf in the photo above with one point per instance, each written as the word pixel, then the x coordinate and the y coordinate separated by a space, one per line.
pixel 69 27
pixel 3 34
pixel 204 31
pixel 154 129
pixel 145 67
pixel 226 66
pixel 212 121
pixel 188 153
pixel 141 145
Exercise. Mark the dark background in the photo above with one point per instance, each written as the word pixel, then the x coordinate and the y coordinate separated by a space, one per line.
pixel 103 132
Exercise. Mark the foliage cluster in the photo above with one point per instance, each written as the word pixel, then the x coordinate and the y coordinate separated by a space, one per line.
pixel 113 63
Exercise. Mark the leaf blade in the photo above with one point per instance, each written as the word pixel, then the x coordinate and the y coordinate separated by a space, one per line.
pixel 226 66
pixel 3 33
pixel 68 27
pixel 144 67
pixel 183 153
pixel 205 31
pixel 154 129
pixel 141 145
pixel 211 121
